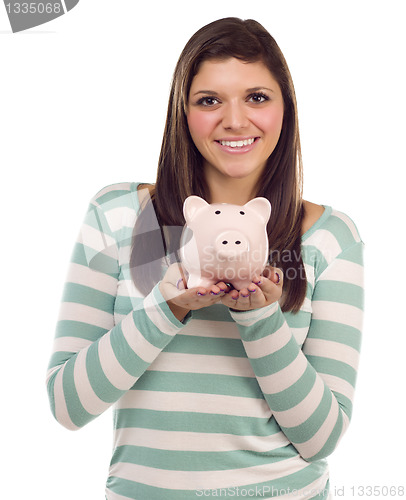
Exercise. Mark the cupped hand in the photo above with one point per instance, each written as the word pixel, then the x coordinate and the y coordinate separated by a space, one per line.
pixel 263 291
pixel 173 288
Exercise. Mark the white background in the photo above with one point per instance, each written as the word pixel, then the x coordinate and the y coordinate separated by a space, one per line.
pixel 82 105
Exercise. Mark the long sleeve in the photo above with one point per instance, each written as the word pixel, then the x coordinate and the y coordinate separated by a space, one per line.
pixel 310 389
pixel 95 361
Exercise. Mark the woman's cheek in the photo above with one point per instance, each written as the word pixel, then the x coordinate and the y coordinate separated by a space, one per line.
pixel 200 124
pixel 272 122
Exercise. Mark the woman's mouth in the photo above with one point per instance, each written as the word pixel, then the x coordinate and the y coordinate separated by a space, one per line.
pixel 237 146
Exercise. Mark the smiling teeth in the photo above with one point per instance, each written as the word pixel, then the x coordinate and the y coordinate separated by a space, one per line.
pixel 237 144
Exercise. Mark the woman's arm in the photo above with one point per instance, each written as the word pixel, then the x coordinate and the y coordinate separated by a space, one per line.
pixel 94 362
pixel 310 391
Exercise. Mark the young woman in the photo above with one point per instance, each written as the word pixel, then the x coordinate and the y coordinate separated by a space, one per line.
pixel 217 392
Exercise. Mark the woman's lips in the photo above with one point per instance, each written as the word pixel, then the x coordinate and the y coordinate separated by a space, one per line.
pixel 237 145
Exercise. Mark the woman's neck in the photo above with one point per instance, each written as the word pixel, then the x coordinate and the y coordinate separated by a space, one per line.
pixel 234 191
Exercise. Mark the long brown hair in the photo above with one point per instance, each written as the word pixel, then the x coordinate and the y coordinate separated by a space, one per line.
pixel 180 172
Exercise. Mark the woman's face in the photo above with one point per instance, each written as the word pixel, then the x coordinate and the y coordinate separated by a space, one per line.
pixel 235 113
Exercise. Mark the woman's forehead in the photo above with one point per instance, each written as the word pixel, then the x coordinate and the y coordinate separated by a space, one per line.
pixel 232 72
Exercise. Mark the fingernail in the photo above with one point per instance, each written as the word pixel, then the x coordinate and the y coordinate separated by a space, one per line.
pixel 245 296
pixel 212 293
pixel 234 298
pixel 201 294
pixel 252 291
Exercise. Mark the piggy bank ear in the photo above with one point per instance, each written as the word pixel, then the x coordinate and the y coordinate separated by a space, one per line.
pixel 261 206
pixel 191 205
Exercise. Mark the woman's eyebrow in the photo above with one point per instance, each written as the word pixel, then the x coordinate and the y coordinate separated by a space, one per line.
pixel 213 92
pixel 255 89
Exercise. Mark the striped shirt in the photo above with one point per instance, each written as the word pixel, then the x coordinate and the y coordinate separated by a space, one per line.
pixel 223 403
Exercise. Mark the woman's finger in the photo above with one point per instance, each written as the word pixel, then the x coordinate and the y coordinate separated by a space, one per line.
pixel 173 283
pixel 274 274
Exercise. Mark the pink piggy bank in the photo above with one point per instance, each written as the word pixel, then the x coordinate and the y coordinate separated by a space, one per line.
pixel 224 242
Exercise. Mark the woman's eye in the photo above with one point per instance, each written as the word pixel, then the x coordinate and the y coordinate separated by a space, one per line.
pixel 207 101
pixel 258 98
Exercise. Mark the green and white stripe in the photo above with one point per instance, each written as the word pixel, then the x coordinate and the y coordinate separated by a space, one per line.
pixel 223 400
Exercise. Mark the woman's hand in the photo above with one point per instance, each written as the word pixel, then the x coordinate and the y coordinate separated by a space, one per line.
pixel 181 299
pixel 263 291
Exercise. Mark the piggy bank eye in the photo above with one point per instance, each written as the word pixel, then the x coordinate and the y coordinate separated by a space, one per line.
pixel 242 213
pixel 217 212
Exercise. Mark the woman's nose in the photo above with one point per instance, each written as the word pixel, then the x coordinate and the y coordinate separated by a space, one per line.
pixel 234 116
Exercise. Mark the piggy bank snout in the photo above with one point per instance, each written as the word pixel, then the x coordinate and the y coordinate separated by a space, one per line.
pixel 231 243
